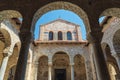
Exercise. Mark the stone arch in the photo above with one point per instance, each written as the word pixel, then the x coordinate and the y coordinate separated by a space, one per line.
pixel 42 73
pixel 60 61
pixel 7 14
pixel 111 12
pixel 5 41
pixel 104 45
pixel 60 51
pixel 110 59
pixel 79 67
pixel 12 59
pixel 110 31
pixel 116 41
pixel 61 5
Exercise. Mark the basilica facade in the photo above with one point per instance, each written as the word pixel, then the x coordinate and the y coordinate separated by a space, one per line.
pixel 60 52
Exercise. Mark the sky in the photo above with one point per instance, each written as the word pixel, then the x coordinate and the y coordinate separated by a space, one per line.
pixel 62 14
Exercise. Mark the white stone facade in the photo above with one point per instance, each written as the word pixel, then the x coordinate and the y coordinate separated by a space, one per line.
pixel 60 25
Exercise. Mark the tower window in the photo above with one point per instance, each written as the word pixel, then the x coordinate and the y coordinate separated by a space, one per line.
pixel 69 35
pixel 60 35
pixel 50 35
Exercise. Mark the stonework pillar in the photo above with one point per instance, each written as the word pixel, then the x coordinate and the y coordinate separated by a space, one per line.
pixel 72 71
pixel 3 67
pixel 100 63
pixel 25 38
pixel 35 72
pixel 89 73
pixel 117 57
pixel 6 54
pixel 49 70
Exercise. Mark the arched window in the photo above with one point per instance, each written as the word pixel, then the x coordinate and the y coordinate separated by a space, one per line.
pixel 60 35
pixel 50 35
pixel 69 35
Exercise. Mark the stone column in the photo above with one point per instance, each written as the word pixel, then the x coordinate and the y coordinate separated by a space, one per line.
pixel 6 54
pixel 72 71
pixel 49 70
pixel 100 63
pixel 3 67
pixel 25 38
pixel 89 73
pixel 35 73
pixel 117 57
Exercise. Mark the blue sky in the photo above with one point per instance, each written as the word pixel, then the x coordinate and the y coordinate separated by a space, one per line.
pixel 62 14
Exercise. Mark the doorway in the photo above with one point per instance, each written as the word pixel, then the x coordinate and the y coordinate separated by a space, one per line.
pixel 60 74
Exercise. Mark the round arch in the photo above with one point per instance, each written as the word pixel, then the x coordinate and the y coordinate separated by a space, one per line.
pixel 61 5
pixel 6 14
pixel 12 62
pixel 111 12
pixel 61 52
pixel 61 62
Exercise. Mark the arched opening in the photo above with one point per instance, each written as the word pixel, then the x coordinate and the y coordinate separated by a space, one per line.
pixel 69 35
pixel 79 67
pixel 60 20
pixel 61 68
pixel 111 61
pixel 10 69
pixel 60 35
pixel 42 73
pixel 108 18
pixel 50 35
pixel 60 5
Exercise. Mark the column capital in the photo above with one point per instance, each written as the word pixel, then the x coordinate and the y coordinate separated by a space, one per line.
pixel 49 63
pixel 7 52
pixel 94 37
